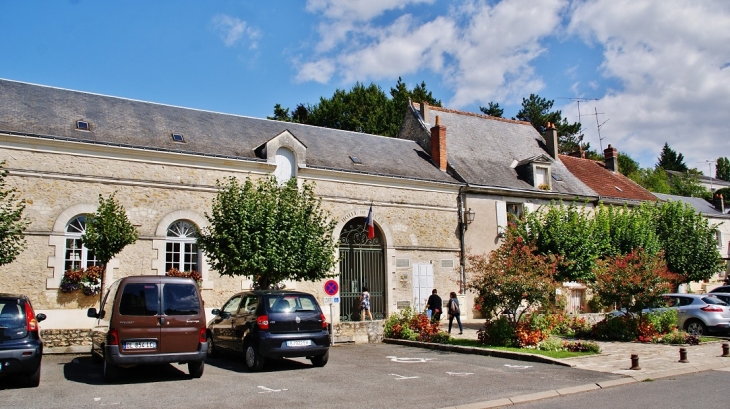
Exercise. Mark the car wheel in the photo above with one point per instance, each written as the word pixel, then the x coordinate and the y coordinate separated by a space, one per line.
pixel 110 371
pixel 196 369
pixel 254 360
pixel 212 349
pixel 695 327
pixel 33 379
pixel 321 360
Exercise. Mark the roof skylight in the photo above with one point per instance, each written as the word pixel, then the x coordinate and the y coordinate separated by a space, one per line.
pixel 82 125
pixel 355 160
pixel 178 137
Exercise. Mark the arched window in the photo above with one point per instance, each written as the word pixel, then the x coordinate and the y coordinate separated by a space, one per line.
pixel 285 165
pixel 182 246
pixel 77 256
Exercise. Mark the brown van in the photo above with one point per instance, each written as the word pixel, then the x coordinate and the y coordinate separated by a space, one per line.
pixel 150 320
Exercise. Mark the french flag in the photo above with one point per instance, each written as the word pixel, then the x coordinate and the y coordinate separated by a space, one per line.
pixel 369 224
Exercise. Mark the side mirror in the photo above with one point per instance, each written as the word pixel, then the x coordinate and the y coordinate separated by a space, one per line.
pixel 91 313
pixel 40 317
pixel 216 311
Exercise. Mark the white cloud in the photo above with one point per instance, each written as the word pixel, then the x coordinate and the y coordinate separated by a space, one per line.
pixel 233 30
pixel 668 57
pixel 319 71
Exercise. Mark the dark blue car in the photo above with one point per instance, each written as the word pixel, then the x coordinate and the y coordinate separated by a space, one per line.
pixel 21 347
pixel 270 324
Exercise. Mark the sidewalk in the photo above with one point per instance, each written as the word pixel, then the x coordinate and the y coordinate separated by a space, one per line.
pixel 655 360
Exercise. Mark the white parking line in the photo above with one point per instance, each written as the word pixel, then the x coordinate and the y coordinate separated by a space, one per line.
pixel 460 373
pixel 401 377
pixel 269 390
pixel 409 360
pixel 518 366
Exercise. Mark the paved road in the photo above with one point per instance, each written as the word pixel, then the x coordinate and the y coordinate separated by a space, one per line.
pixel 374 375
pixel 707 390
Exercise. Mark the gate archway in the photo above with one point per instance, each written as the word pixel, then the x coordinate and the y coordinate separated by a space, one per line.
pixel 362 264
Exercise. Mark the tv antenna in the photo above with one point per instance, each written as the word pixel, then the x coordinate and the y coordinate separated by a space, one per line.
pixel 579 100
pixel 598 126
pixel 710 163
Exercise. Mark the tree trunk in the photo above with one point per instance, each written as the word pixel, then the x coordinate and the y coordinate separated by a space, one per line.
pixel 101 290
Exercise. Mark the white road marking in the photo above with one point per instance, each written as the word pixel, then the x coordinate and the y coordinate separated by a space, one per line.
pixel 401 377
pixel 269 390
pixel 409 360
pixel 460 373
pixel 518 366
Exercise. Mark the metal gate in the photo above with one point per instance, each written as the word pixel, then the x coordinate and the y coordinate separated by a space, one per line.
pixel 362 264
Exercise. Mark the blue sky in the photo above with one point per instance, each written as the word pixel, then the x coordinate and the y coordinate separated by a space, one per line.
pixel 657 70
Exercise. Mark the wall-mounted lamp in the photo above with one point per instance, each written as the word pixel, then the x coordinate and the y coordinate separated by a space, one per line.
pixel 469 216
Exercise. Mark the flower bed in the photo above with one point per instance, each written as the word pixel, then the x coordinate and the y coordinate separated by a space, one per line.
pixel 87 280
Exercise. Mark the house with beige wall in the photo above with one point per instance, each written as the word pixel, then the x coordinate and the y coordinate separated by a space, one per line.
pixel 64 148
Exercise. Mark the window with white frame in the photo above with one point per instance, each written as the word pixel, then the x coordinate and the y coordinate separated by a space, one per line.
pixel 285 165
pixel 76 255
pixel 541 177
pixel 718 236
pixel 514 213
pixel 181 247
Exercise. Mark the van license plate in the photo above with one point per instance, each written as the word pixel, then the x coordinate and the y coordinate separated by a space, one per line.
pixel 140 345
pixel 301 343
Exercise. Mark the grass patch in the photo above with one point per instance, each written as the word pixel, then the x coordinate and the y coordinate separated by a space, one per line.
pixel 550 354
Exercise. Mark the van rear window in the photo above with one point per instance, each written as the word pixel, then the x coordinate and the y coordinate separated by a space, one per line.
pixel 180 299
pixel 139 299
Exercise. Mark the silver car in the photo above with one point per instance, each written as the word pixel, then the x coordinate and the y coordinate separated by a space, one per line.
pixel 699 313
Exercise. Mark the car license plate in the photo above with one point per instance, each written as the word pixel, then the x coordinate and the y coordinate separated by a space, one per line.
pixel 140 345
pixel 301 343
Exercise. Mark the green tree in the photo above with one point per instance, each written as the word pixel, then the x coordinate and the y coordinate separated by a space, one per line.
pixel 625 229
pixel 268 232
pixel 634 281
pixel 361 109
pixel 627 165
pixel 688 184
pixel 652 179
pixel 12 224
pixel 688 240
pixel 671 160
pixel 492 110
pixel 538 111
pixel 722 169
pixel 513 279
pixel 568 233
pixel 108 231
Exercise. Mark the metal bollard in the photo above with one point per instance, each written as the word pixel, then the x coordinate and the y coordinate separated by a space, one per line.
pixel 725 349
pixel 683 355
pixel 635 362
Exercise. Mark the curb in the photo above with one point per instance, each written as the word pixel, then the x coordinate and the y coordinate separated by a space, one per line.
pixel 478 351
pixel 73 349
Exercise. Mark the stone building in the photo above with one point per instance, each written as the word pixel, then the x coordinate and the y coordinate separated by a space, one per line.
pixel 64 148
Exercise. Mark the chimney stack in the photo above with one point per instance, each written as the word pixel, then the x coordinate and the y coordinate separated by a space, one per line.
pixel 611 156
pixel 438 144
pixel 719 202
pixel 551 139
pixel 424 111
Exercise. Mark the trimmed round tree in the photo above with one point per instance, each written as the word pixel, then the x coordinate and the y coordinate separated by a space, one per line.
pixel 108 231
pixel 268 232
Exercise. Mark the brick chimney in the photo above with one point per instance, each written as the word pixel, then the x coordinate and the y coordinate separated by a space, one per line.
pixel 424 111
pixel 611 156
pixel 551 139
pixel 438 144
pixel 719 202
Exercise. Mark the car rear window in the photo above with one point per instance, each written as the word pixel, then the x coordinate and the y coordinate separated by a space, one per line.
pixel 12 320
pixel 713 300
pixel 139 299
pixel 291 303
pixel 180 299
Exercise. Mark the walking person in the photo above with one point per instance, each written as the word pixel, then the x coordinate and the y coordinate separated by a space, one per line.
pixel 454 312
pixel 434 304
pixel 365 304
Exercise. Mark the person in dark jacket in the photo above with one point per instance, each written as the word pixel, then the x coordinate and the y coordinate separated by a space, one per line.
pixel 454 311
pixel 434 304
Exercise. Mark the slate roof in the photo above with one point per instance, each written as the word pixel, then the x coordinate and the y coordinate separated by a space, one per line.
pixel 607 184
pixel 43 111
pixel 482 148
pixel 699 204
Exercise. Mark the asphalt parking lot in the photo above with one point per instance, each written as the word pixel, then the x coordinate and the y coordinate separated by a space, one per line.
pixel 374 375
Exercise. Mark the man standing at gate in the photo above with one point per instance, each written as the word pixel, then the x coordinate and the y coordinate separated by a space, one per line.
pixel 435 305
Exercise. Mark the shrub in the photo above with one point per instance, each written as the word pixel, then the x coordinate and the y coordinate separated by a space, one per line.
pixel 407 324
pixel 581 346
pixel 497 332
pixel 616 328
pixel 551 344
pixel 663 321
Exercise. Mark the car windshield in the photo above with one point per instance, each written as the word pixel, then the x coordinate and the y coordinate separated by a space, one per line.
pixel 291 303
pixel 12 320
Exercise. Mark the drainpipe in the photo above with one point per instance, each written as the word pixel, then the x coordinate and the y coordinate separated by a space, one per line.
pixel 462 244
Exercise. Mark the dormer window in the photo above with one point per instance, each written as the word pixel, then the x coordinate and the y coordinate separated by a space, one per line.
pixel 82 125
pixel 536 171
pixel 542 180
pixel 285 165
